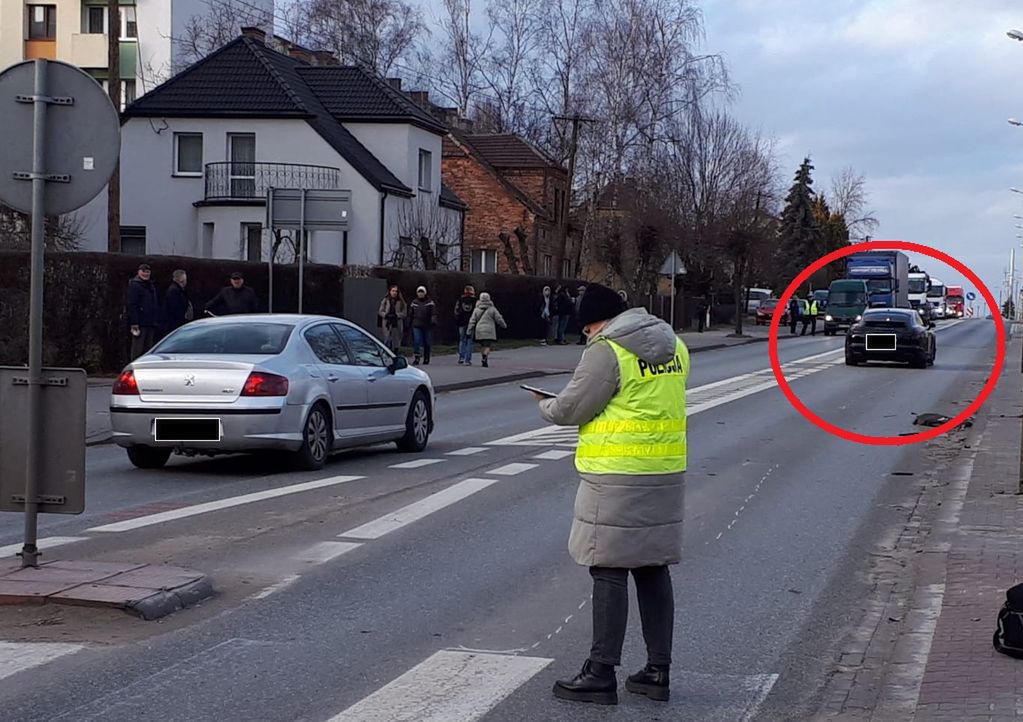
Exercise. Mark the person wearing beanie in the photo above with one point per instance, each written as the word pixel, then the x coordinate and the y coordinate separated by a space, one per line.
pixel 483 325
pixel 424 317
pixel 627 396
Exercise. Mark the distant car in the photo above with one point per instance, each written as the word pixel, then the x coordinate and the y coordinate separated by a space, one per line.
pixel 891 334
pixel 821 297
pixel 767 309
pixel 304 385
pixel 756 296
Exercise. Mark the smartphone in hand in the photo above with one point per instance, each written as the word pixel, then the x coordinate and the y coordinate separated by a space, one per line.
pixel 533 389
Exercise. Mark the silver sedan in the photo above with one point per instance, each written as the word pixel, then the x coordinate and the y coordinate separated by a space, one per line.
pixel 305 385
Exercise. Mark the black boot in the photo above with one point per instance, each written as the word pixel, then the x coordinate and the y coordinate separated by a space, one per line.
pixel 651 681
pixel 595 683
pixel 426 358
pixel 485 361
pixel 415 361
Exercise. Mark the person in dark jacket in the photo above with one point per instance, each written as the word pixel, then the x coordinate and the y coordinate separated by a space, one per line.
pixel 578 303
pixel 391 318
pixel 563 310
pixel 463 314
pixel 236 298
pixel 177 307
pixel 795 311
pixel 423 312
pixel 143 311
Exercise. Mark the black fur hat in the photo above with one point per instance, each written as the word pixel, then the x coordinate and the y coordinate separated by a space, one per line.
pixel 599 303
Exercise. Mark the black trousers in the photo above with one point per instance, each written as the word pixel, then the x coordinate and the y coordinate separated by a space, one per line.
pixel 611 612
pixel 810 321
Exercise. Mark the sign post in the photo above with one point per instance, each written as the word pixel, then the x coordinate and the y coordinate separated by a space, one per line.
pixel 50 163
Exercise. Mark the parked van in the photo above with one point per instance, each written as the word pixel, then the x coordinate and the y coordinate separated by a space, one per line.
pixel 847 299
pixel 754 296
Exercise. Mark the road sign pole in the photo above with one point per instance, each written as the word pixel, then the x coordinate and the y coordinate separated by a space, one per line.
pixel 673 293
pixel 301 252
pixel 270 256
pixel 29 552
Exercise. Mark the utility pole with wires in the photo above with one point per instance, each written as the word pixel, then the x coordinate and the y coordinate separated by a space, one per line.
pixel 573 148
pixel 114 90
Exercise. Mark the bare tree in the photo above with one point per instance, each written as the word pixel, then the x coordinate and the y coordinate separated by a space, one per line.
pixel 215 28
pixel 61 233
pixel 458 64
pixel 378 35
pixel 519 31
pixel 849 198
pixel 429 237
pixel 517 252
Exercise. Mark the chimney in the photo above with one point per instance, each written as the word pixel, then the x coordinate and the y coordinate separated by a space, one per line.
pixel 300 54
pixel 255 33
pixel 420 97
pixel 324 57
pixel 395 83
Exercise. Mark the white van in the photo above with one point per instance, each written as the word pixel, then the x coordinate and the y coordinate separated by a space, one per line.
pixel 754 296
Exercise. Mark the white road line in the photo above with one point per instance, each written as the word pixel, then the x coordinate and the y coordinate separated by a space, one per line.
pixel 447 687
pixel 512 469
pixel 417 510
pixel 325 551
pixel 274 588
pixel 468 451
pixel 42 544
pixel 555 454
pixel 415 464
pixel 18 656
pixel 174 514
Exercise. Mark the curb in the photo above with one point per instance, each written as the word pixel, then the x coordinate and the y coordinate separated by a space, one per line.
pixel 168 601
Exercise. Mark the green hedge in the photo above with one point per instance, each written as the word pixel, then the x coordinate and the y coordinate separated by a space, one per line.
pixel 84 321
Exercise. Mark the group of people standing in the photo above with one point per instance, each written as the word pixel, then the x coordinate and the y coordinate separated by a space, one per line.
pixel 477 319
pixel 557 310
pixel 805 311
pixel 149 318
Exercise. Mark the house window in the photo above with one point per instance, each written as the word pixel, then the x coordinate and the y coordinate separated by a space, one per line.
pixel 252 236
pixel 42 22
pixel 566 268
pixel 133 240
pixel 188 154
pixel 95 19
pixel 129 28
pixel 484 261
pixel 406 252
pixel 127 93
pixel 241 149
pixel 547 260
pixel 425 170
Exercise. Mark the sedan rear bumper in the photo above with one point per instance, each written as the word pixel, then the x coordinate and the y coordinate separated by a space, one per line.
pixel 243 429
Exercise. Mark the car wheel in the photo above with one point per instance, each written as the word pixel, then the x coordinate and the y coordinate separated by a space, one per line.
pixel 934 353
pixel 850 359
pixel 317 438
pixel 417 425
pixel 148 457
pixel 920 362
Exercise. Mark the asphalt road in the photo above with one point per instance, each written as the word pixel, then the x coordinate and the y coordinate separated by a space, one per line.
pixel 445 587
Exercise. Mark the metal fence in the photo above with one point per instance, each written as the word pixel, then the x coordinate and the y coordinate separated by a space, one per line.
pixel 250 181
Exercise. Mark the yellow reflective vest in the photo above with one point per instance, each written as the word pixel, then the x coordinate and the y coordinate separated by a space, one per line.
pixel 642 430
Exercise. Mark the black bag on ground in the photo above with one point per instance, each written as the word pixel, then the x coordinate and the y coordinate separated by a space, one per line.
pixel 1009 633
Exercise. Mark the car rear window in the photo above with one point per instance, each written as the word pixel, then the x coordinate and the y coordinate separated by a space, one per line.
pixel 887 320
pixel 228 338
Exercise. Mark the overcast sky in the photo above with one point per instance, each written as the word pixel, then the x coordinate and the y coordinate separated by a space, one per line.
pixel 914 94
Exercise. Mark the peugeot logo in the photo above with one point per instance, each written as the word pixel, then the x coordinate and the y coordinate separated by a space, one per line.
pixel 190 380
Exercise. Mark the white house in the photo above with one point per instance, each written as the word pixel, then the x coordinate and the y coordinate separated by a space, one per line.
pixel 199 152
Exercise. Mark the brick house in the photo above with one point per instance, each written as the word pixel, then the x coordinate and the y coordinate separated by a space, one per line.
pixel 516 196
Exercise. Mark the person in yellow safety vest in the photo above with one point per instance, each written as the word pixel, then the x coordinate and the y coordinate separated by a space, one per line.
pixel 628 398
pixel 810 319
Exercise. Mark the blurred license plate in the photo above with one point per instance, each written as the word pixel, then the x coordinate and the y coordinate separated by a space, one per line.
pixel 880 341
pixel 178 429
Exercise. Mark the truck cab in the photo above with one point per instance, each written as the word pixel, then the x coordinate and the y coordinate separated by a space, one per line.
pixel 886 274
pixel 955 301
pixel 936 297
pixel 847 300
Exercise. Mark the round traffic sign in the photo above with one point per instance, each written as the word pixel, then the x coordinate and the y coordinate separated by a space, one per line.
pixel 82 136
pixel 971 296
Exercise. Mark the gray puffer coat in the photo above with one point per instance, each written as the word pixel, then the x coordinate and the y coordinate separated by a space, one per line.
pixel 620 520
pixel 485 320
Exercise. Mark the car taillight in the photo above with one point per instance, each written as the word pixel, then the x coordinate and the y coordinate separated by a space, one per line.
pixel 126 384
pixel 264 384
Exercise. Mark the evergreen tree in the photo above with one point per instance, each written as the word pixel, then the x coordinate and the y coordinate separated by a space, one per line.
pixel 799 234
pixel 833 235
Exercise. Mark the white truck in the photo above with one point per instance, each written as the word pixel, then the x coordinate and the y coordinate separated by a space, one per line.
pixel 919 282
pixel 936 295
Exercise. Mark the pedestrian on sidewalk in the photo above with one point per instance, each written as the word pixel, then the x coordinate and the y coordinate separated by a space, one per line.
pixel 234 299
pixel 391 319
pixel 578 300
pixel 626 394
pixel 795 311
pixel 423 312
pixel 546 315
pixel 701 313
pixel 463 314
pixel 563 308
pixel 177 306
pixel 810 319
pixel 143 311
pixel 483 325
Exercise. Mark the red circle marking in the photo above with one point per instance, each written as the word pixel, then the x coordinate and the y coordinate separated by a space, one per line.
pixel 989 386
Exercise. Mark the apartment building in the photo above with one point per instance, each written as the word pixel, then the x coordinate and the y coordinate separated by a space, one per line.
pixel 152 33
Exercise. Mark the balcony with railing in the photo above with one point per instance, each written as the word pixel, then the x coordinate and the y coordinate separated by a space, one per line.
pixel 233 181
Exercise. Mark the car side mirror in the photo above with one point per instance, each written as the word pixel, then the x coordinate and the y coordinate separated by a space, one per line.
pixel 931 324
pixel 397 364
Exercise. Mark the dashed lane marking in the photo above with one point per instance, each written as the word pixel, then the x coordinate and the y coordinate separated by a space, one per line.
pixel 18 656
pixel 512 469
pixel 415 464
pixel 468 451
